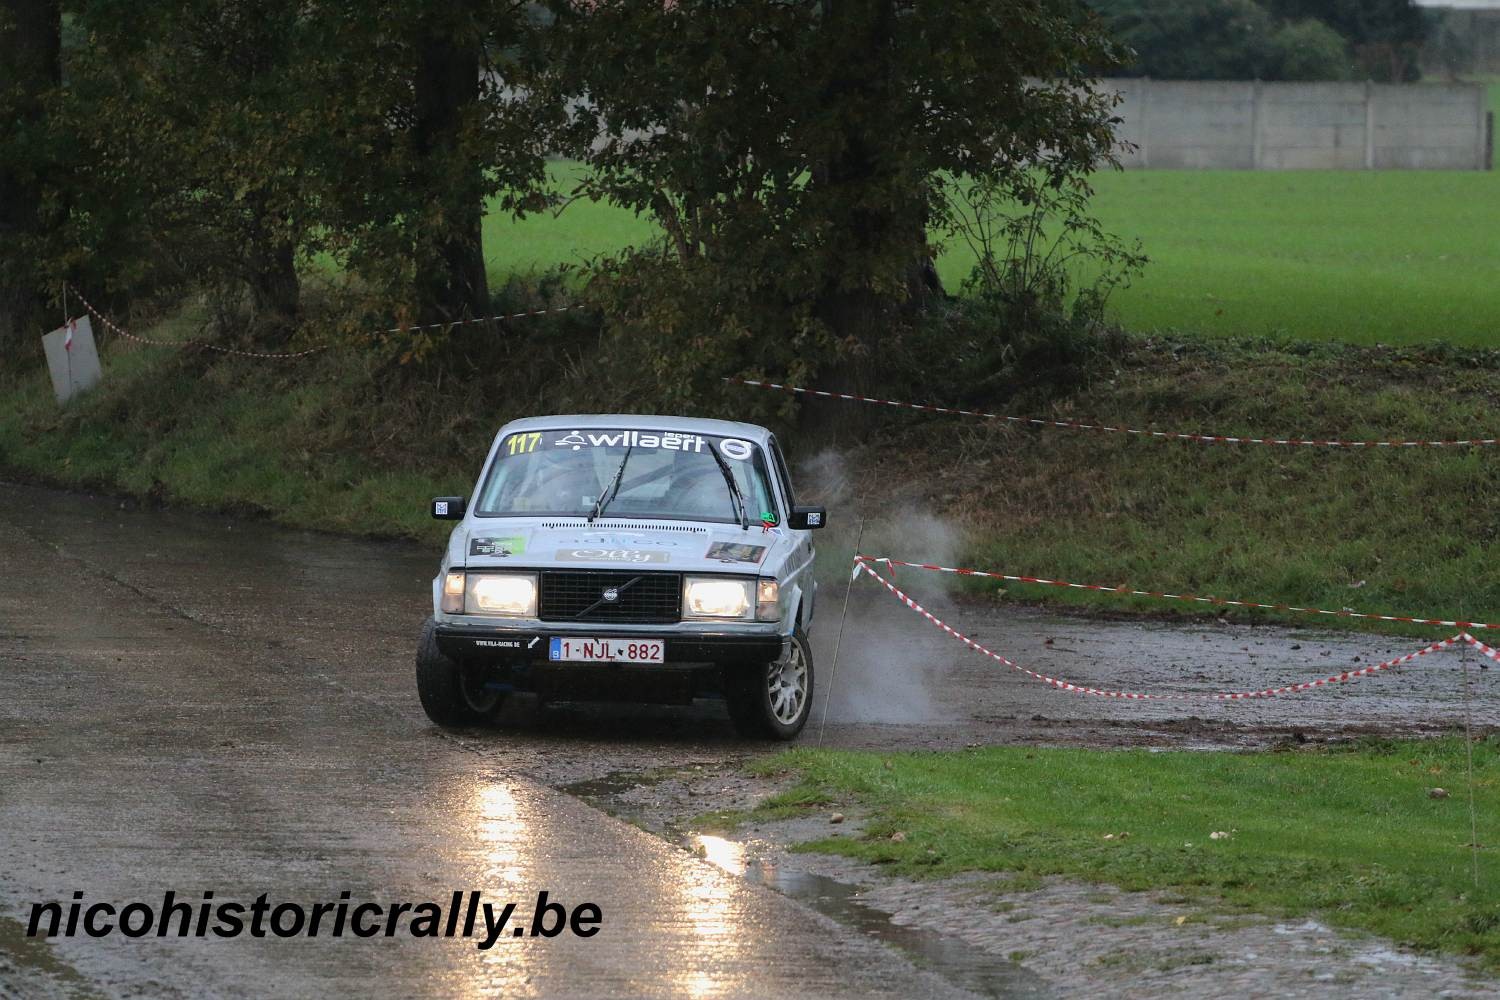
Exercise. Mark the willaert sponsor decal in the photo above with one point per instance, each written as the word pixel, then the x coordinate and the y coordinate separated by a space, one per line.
pixel 669 440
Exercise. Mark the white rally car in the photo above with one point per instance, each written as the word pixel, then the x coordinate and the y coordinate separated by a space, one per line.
pixel 625 558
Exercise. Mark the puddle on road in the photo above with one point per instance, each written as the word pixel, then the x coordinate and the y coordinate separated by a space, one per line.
pixel 961 963
pixel 956 960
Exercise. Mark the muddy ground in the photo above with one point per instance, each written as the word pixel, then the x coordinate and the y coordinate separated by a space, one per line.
pixel 253 685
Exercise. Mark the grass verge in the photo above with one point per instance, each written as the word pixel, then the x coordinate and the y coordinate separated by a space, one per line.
pixel 337 442
pixel 1348 835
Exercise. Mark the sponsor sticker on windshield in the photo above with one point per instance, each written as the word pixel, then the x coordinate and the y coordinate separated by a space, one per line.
pixel 736 449
pixel 667 440
pixel 736 552
pixel 511 546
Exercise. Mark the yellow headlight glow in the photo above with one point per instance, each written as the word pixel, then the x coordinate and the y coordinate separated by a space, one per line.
pixel 501 594
pixel 709 598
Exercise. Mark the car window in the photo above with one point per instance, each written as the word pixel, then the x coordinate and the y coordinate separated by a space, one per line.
pixel 781 470
pixel 562 473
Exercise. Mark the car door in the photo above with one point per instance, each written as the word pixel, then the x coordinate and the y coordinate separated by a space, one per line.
pixel 799 572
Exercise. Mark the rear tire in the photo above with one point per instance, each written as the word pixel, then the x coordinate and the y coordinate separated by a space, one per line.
pixel 772 700
pixel 451 694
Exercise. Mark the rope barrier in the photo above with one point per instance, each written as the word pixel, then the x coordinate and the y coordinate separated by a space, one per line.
pixel 1124 591
pixel 1079 425
pixel 120 331
pixel 1463 639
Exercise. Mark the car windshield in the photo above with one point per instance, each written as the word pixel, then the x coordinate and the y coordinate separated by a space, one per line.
pixel 669 475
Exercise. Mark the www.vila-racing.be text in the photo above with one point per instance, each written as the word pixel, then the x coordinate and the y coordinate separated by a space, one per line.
pixel 464 915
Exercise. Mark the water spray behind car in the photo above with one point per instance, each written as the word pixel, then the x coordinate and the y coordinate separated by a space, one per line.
pixel 884 673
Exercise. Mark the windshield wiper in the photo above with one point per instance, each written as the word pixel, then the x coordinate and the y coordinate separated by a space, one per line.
pixel 734 488
pixel 613 489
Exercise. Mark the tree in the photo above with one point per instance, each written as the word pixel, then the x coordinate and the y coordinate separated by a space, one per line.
pixel 1311 50
pixel 1386 36
pixel 444 83
pixel 206 135
pixel 229 144
pixel 30 72
pixel 1224 40
pixel 793 150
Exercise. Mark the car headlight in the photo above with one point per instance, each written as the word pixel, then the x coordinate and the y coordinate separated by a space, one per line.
pixel 716 597
pixel 509 594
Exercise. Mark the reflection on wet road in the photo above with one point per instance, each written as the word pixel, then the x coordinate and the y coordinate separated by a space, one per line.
pixel 193 703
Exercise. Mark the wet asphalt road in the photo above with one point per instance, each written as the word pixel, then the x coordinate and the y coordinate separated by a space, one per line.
pixel 192 702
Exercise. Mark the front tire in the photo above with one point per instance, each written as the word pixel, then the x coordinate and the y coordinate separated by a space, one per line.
pixel 451 694
pixel 773 700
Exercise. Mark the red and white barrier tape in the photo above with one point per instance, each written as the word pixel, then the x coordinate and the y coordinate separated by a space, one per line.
pixel 120 331
pixel 1079 425
pixel 1464 638
pixel 116 329
pixel 1124 591
pixel 485 319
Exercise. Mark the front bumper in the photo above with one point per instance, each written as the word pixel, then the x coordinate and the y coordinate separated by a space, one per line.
pixel 516 659
pixel 527 645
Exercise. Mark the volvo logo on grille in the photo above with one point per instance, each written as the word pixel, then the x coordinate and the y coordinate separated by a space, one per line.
pixel 611 595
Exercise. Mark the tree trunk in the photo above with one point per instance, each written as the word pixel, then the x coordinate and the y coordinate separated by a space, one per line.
pixel 450 275
pixel 275 293
pixel 869 227
pixel 30 67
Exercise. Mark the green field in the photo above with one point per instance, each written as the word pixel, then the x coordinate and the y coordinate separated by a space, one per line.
pixel 1393 257
pixel 1384 257
pixel 1349 835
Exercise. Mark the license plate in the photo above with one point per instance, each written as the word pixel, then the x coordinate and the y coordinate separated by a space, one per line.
pixel 582 649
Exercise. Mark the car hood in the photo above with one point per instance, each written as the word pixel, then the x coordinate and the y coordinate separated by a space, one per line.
pixel 677 547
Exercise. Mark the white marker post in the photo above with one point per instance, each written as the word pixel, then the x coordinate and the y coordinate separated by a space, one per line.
pixel 72 359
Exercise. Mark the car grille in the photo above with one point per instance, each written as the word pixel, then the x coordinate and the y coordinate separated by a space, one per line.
pixel 577 596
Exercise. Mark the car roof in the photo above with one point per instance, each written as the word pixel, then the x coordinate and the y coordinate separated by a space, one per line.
pixel 641 421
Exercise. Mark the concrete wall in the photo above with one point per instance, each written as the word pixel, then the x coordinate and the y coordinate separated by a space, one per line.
pixel 1244 125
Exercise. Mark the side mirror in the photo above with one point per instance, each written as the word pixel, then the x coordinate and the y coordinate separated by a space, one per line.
pixel 807 518
pixel 449 508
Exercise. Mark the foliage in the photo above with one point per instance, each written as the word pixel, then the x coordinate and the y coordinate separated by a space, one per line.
pixel 1225 40
pixel 30 73
pixel 200 153
pixel 1310 50
pixel 224 147
pixel 1032 243
pixel 445 127
pixel 1386 36
pixel 790 150
pixel 674 328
